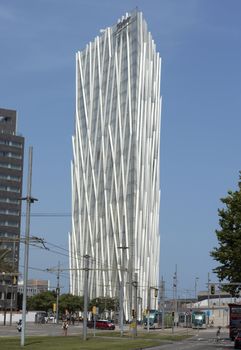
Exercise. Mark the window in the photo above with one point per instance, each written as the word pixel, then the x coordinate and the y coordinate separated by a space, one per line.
pixel 10 177
pixel 9 212
pixel 10 166
pixel 9 223
pixel 11 143
pixel 9 200
pixel 10 189
pixel 10 155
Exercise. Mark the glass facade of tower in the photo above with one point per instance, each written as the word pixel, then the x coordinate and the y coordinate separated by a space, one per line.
pixel 115 168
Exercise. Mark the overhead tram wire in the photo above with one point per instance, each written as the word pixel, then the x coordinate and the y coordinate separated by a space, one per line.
pixel 63 273
pixel 61 215
pixel 103 265
pixel 21 239
pixel 71 255
pixel 49 214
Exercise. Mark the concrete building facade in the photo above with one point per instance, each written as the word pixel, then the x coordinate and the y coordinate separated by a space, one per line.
pixel 11 176
pixel 34 287
pixel 116 164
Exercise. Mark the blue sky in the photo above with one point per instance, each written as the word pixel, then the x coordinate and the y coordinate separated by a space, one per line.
pixel 199 42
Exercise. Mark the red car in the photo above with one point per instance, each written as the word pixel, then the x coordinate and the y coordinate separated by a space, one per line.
pixel 101 324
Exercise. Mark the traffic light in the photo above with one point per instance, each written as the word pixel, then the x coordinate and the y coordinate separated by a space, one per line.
pixel 212 289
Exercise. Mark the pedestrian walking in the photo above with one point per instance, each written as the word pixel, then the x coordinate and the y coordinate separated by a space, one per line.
pixel 218 334
pixel 65 327
pixel 72 318
pixel 19 325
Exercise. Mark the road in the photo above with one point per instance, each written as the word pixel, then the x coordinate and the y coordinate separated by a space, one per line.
pixel 40 329
pixel 201 340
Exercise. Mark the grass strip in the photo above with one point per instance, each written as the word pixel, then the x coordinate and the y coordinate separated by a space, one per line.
pixel 75 343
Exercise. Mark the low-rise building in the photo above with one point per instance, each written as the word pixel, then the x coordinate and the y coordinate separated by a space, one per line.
pixel 34 287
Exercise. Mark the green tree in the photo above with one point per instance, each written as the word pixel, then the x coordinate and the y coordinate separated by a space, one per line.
pixel 227 254
pixel 71 303
pixel 42 302
pixel 104 304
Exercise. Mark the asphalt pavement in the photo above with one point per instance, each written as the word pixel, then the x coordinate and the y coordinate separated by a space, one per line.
pixel 200 339
pixel 40 329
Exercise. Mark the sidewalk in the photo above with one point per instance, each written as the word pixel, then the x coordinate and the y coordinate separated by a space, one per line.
pixel 168 331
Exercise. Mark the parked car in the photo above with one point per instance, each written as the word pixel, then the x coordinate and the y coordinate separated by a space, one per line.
pixel 101 324
pixel 237 341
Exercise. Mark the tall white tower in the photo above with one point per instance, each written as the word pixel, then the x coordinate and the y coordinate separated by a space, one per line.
pixel 116 163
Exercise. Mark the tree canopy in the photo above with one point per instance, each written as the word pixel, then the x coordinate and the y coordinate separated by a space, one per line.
pixel 42 302
pixel 104 303
pixel 227 254
pixel 71 303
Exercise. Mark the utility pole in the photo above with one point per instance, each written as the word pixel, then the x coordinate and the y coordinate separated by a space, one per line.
pixel 140 308
pixel 131 266
pixel 29 201
pixel 86 281
pixel 208 297
pixel 175 293
pixel 162 301
pixel 121 311
pixel 219 301
pixel 135 285
pixel 13 280
pixel 148 308
pixel 121 295
pixel 52 269
pixel 196 281
pixel 5 304
pixel 57 295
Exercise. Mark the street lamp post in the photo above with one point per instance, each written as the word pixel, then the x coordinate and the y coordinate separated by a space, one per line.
pixel 86 282
pixel 57 291
pixel 140 308
pixel 162 302
pixel 208 297
pixel 135 285
pixel 196 282
pixel 121 295
pixel 57 296
pixel 29 201
pixel 175 306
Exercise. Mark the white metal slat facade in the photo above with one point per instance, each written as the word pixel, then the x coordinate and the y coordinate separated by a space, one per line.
pixel 116 166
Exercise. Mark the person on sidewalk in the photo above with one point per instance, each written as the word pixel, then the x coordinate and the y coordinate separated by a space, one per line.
pixel 218 334
pixel 65 327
